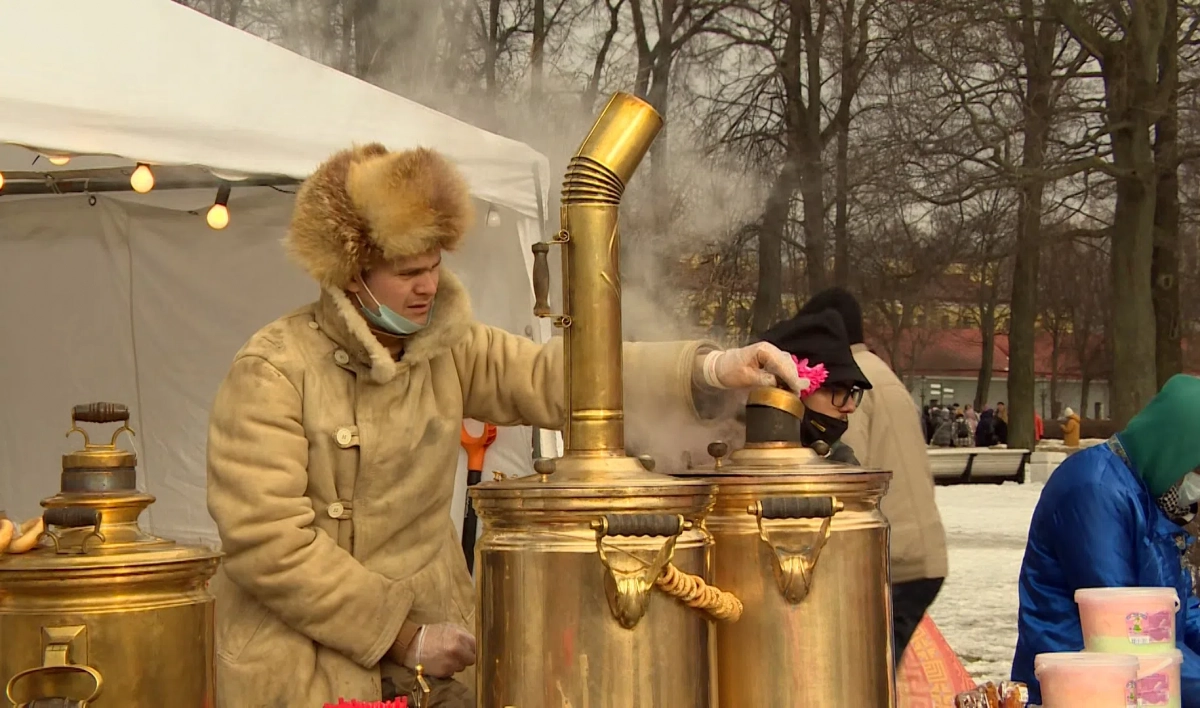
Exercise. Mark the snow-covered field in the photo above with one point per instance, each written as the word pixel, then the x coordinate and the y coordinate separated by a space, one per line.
pixel 986 527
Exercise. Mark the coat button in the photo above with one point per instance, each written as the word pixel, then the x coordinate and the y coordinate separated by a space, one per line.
pixel 312 324
pixel 343 437
pixel 341 357
pixel 336 510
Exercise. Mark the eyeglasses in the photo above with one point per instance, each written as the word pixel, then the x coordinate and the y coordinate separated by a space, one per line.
pixel 842 394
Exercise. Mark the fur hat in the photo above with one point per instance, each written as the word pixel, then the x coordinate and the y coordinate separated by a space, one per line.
pixel 367 204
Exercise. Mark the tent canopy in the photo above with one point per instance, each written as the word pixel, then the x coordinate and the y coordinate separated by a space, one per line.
pixel 130 298
pixel 154 81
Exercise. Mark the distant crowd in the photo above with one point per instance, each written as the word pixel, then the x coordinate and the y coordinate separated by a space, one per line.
pixel 963 426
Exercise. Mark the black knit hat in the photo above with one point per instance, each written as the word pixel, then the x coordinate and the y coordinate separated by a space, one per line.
pixel 847 306
pixel 821 338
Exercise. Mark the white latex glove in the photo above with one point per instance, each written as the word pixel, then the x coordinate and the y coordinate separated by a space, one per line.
pixel 442 650
pixel 750 367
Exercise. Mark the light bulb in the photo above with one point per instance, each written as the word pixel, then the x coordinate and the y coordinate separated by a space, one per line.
pixel 59 160
pixel 493 218
pixel 142 179
pixel 218 216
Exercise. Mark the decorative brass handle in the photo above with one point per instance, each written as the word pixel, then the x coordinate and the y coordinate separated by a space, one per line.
pixel 541 279
pixel 57 682
pixel 100 413
pixel 629 580
pixel 795 563
pixel 72 517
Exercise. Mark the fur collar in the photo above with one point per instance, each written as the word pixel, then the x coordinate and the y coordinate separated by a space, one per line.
pixel 339 318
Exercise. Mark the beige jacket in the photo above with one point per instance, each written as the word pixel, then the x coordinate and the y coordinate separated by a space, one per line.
pixel 886 433
pixel 330 474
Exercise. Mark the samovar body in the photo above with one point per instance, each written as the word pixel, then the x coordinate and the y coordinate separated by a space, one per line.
pixel 568 610
pixel 802 542
pixel 101 613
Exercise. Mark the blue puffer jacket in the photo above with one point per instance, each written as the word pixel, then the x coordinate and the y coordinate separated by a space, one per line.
pixel 1096 525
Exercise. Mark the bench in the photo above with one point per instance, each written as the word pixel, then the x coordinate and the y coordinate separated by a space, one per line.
pixel 977 465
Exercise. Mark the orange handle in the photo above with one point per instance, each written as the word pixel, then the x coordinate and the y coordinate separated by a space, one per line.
pixel 476 447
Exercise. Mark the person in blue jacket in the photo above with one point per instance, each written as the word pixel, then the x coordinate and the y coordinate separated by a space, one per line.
pixel 1112 516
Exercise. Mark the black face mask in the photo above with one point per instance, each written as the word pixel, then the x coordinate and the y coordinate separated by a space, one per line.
pixel 816 426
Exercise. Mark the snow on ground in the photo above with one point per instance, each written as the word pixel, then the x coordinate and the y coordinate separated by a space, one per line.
pixel 986 528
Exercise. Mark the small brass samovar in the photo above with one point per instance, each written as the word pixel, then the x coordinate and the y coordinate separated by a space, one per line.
pixel 578 563
pixel 802 542
pixel 101 613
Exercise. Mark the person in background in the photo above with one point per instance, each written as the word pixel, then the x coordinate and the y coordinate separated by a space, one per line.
pixel 334 438
pixel 885 434
pixel 962 431
pixel 1002 412
pixel 820 339
pixel 1039 427
pixel 1000 426
pixel 972 417
pixel 985 432
pixel 1112 516
pixel 943 436
pixel 1071 428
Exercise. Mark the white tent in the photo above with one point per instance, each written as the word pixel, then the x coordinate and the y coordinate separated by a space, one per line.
pixel 107 295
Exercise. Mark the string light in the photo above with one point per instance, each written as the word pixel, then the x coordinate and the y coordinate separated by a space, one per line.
pixel 142 179
pixel 58 160
pixel 1 180
pixel 218 213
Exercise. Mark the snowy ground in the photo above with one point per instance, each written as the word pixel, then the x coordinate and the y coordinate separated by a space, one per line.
pixel 986 527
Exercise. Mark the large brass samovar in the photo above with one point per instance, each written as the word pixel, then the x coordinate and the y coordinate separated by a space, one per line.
pixel 573 608
pixel 802 542
pixel 101 613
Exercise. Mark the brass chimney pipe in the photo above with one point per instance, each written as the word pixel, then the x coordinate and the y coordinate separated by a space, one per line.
pixel 591 321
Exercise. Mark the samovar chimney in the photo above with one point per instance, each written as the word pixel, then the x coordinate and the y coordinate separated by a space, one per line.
pixel 590 570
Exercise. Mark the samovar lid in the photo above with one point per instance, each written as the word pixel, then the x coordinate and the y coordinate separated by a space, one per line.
pixel 773 445
pixel 93 520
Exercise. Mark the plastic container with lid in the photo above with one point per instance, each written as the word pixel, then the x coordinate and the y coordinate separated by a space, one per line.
pixel 1128 620
pixel 1076 679
pixel 1158 679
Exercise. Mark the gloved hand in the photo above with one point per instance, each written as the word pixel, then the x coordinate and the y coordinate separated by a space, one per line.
pixel 442 650
pixel 749 367
pixel 843 453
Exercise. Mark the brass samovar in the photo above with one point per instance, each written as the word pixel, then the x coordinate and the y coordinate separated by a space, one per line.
pixel 578 563
pixel 802 542
pixel 101 613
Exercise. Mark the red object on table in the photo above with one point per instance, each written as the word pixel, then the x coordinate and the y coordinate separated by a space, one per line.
pixel 343 703
pixel 930 674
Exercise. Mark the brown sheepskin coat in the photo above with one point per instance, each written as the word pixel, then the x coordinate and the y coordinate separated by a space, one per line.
pixel 330 473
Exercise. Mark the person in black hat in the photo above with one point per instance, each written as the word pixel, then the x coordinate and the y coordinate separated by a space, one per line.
pixel 821 339
pixel 886 434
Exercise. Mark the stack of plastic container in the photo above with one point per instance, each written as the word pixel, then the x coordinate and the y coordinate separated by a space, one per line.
pixel 1129 656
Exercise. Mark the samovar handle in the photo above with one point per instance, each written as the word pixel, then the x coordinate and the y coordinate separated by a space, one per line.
pixel 100 413
pixel 72 517
pixel 794 566
pixel 628 581
pixel 57 682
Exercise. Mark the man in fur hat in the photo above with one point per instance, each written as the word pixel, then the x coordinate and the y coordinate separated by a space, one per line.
pixel 333 443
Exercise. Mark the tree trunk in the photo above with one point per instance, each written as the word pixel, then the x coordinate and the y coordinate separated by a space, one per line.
pixel 841 232
pixel 812 190
pixel 1038 43
pixel 1055 337
pixel 1133 379
pixel 1085 385
pixel 987 360
pixel 1168 346
pixel 536 54
pixel 769 294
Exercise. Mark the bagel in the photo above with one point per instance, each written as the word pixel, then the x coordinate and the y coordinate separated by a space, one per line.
pixel 27 539
pixel 6 533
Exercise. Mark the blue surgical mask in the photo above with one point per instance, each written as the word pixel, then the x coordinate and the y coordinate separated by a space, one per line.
pixel 388 319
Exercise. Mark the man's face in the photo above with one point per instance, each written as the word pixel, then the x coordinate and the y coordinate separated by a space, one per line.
pixel 835 400
pixel 407 286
